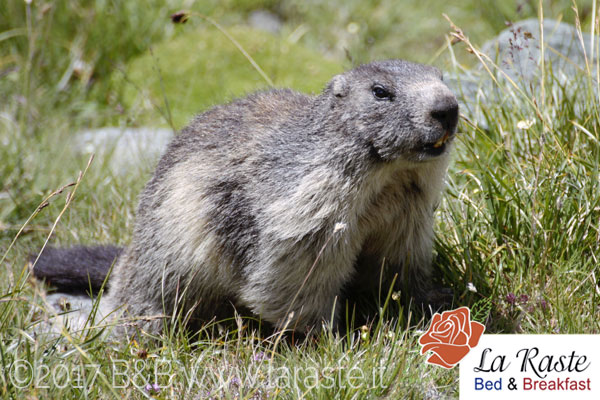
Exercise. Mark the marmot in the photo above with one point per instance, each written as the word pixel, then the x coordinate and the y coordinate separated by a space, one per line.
pixel 282 203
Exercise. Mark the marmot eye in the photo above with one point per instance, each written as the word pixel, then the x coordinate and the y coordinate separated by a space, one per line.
pixel 381 93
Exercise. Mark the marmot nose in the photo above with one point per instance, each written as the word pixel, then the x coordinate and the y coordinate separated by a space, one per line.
pixel 445 111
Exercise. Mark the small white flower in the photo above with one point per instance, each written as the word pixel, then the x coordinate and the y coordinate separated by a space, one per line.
pixel 353 28
pixel 526 124
pixel 471 287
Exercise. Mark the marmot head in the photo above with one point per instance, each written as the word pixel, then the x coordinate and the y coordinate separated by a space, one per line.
pixel 398 109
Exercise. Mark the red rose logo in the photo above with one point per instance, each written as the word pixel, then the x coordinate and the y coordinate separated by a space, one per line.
pixel 450 337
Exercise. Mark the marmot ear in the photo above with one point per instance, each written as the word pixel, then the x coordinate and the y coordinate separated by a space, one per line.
pixel 339 86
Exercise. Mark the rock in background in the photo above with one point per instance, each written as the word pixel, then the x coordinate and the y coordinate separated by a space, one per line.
pixel 517 53
pixel 123 149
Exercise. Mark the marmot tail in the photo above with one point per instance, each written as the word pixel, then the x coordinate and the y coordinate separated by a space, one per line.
pixel 76 269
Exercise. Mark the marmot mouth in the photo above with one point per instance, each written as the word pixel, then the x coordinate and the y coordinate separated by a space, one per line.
pixel 437 148
pixel 443 140
pixel 431 150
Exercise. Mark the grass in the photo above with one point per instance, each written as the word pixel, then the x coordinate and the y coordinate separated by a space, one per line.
pixel 183 84
pixel 519 221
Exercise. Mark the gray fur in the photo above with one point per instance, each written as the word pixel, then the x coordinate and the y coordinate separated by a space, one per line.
pixel 278 202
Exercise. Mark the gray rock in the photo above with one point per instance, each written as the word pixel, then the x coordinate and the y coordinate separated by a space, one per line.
pixel 517 49
pixel 518 54
pixel 63 311
pixel 265 20
pixel 124 148
pixel 77 314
